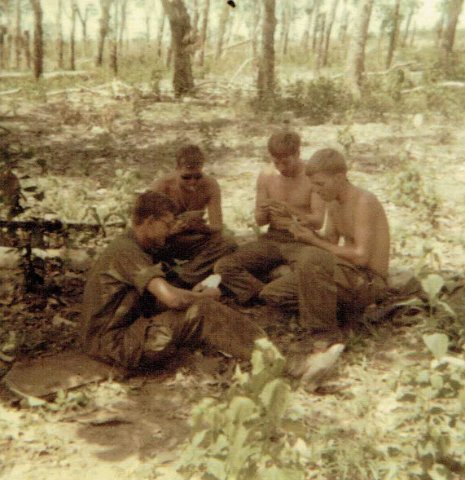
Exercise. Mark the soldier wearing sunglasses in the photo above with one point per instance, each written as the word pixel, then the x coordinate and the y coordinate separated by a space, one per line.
pixel 193 192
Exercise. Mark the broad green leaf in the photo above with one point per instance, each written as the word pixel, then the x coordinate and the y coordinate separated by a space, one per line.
pixel 437 344
pixel 241 409
pixel 447 308
pixel 275 397
pixel 436 381
pixel 432 285
pixel 216 468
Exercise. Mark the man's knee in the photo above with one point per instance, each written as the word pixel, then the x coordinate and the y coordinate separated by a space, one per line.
pixel 225 265
pixel 316 260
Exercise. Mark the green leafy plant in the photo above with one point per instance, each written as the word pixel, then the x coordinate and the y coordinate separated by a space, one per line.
pixel 437 403
pixel 243 436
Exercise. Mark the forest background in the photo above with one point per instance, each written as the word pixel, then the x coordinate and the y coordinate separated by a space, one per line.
pixel 95 98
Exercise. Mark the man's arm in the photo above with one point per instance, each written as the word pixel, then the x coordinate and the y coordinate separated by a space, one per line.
pixel 315 219
pixel 215 214
pixel 178 298
pixel 360 250
pixel 158 185
pixel 262 216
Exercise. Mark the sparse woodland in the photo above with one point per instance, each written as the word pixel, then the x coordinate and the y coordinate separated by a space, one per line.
pixel 95 98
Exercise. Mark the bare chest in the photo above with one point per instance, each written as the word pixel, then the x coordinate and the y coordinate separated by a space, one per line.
pixel 187 200
pixel 294 191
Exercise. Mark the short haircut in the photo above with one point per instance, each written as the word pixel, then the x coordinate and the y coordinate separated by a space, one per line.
pixel 326 160
pixel 283 144
pixel 190 156
pixel 151 204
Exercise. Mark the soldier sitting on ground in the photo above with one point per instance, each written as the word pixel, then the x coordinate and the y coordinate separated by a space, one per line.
pixel 284 196
pixel 133 316
pixel 192 192
pixel 345 268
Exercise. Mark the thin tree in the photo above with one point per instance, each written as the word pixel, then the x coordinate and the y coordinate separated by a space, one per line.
pixel 356 56
pixel 328 30
pixel 453 10
pixel 27 48
pixel 304 43
pixel 316 24
pixel 38 52
pixel 161 30
pixel 344 24
pixel 72 36
pixel 393 33
pixel 122 32
pixel 222 22
pixel 183 80
pixel 114 39
pixel 104 28
pixel 60 43
pixel 3 46
pixel 203 31
pixel 18 34
pixel 266 79
pixel 412 8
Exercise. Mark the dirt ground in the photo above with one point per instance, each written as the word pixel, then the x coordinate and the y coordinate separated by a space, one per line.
pixel 85 151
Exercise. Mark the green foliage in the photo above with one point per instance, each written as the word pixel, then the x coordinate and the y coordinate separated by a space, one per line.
pixel 410 189
pixel 436 399
pixel 242 436
pixel 317 100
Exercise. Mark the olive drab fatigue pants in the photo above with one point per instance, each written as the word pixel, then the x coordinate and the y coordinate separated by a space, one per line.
pixel 321 284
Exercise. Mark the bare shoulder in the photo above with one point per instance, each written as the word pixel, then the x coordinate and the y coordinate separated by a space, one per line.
pixel 368 200
pixel 164 183
pixel 266 174
pixel 210 183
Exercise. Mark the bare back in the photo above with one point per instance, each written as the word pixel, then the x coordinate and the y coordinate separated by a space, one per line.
pixel 296 192
pixel 361 221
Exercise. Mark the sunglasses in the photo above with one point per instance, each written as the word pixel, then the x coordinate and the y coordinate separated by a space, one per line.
pixel 192 176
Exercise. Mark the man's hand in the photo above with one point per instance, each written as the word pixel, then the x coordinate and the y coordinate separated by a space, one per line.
pixel 302 234
pixel 209 292
pixel 190 221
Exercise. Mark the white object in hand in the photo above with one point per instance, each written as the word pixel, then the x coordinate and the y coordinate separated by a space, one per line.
pixel 212 281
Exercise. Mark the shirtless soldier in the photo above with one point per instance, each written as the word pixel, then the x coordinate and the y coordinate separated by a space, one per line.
pixel 333 274
pixel 192 192
pixel 284 196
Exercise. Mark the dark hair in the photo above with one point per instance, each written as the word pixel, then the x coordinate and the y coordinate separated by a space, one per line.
pixel 284 144
pixel 189 156
pixel 326 160
pixel 151 204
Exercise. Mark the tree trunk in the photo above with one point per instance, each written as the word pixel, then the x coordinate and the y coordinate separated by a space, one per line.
pixel 114 39
pixel 161 29
pixel 408 24
pixel 183 81
pixel 221 29
pixel 203 32
pixel 147 20
pixel 123 25
pixel 316 23
pixel 344 24
pixel 27 48
pixel 60 44
pixel 18 35
pixel 304 43
pixel 329 27
pixel 38 39
pixel 356 55
pixel 454 8
pixel 289 15
pixel 83 19
pixel 266 80
pixel 72 37
pixel 104 23
pixel 321 41
pixel 393 34
pixel 195 17
pixel 254 30
pixel 440 27
pixel 3 35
